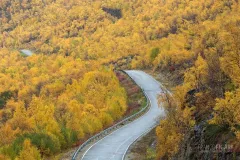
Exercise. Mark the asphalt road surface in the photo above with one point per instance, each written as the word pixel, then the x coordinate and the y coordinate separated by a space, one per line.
pixel 115 145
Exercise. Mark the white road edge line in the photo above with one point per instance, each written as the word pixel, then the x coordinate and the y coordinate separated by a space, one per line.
pixel 161 86
pixel 118 128
pixel 136 140
pixel 128 124
pixel 121 146
pixel 150 103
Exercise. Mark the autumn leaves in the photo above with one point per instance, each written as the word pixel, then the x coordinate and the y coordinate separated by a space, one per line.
pixel 205 51
pixel 56 102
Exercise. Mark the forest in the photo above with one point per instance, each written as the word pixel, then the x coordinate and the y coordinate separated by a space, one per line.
pixel 64 92
pixel 53 102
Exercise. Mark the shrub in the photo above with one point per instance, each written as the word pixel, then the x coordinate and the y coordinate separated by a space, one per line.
pixel 154 53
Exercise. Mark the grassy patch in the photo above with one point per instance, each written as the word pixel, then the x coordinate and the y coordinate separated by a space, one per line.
pixel 214 132
pixel 151 154
pixel 136 98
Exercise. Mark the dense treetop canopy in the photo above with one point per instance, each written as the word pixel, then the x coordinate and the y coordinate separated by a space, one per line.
pixel 62 93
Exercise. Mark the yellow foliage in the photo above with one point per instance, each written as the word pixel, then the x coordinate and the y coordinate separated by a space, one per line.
pixel 168 139
pixel 196 76
pixel 177 123
pixel 29 152
pixel 227 110
pixel 7 134
pixel 3 157
pixel 67 87
pixel 20 119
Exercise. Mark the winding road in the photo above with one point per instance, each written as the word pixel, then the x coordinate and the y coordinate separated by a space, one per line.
pixel 115 145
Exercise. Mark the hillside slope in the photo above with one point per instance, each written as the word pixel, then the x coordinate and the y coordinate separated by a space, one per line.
pixel 197 41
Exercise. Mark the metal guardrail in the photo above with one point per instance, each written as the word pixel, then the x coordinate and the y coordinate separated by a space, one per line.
pixel 165 91
pixel 110 129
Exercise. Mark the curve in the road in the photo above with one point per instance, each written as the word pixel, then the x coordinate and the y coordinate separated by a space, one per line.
pixel 115 145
